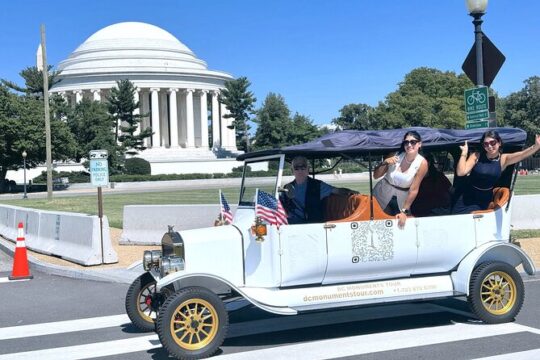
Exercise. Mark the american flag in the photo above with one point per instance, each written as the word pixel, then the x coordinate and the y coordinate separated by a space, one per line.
pixel 270 209
pixel 225 208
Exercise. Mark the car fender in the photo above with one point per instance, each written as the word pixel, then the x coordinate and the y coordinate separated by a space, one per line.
pixel 219 286
pixel 504 252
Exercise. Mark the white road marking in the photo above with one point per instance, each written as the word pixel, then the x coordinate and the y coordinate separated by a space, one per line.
pixel 520 355
pixel 6 280
pixel 372 343
pixel 107 348
pixel 22 331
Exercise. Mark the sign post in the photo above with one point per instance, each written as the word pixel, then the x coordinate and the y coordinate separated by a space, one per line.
pixel 99 176
pixel 477 107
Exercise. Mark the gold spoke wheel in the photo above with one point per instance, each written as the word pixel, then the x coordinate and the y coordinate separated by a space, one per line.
pixel 144 300
pixel 498 293
pixel 194 324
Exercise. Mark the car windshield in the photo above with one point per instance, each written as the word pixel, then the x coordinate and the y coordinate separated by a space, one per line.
pixel 263 175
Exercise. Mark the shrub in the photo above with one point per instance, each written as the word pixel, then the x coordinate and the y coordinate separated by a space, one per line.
pixel 137 166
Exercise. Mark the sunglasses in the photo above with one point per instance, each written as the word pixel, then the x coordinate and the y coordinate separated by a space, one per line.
pixel 300 167
pixel 410 142
pixel 490 143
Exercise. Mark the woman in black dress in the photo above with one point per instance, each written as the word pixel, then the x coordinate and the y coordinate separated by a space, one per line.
pixel 484 169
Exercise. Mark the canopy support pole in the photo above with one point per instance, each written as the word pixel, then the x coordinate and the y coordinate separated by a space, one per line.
pixel 370 189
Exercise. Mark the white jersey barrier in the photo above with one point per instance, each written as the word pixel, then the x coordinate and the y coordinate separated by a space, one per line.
pixel 146 224
pixel 71 236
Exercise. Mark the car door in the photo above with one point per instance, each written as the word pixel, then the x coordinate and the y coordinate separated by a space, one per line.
pixel 368 250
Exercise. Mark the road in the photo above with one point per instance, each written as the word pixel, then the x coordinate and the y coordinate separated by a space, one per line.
pixel 53 317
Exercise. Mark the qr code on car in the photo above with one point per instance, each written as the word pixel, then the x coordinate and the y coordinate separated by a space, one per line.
pixel 372 242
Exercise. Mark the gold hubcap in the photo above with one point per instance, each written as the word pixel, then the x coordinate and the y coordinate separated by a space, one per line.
pixel 145 302
pixel 498 293
pixel 194 324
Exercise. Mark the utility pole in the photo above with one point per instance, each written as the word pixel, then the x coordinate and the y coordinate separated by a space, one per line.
pixel 47 115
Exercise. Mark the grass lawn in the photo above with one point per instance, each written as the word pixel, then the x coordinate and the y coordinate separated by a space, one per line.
pixel 113 204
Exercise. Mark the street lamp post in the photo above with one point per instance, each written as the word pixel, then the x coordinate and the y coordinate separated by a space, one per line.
pixel 477 8
pixel 24 154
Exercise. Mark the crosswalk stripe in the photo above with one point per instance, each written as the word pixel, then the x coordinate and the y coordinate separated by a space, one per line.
pixel 58 327
pixel 520 355
pixel 372 343
pixel 6 280
pixel 102 349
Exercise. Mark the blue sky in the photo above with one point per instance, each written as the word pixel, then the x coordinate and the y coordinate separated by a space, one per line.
pixel 320 55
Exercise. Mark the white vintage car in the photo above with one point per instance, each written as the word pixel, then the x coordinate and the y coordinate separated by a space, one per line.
pixel 358 256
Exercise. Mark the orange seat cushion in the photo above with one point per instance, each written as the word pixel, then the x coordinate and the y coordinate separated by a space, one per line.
pixel 501 195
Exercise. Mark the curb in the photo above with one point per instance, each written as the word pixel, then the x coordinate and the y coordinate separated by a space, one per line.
pixel 122 276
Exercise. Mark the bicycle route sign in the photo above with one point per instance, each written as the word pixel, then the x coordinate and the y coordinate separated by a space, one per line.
pixel 476 105
pixel 99 168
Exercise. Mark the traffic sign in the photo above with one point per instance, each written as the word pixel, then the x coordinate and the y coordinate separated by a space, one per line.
pixel 99 172
pixel 492 58
pixel 476 103
pixel 477 124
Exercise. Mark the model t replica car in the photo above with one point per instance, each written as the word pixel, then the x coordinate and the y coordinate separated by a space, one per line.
pixel 357 256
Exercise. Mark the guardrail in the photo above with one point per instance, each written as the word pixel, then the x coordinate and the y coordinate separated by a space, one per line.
pixel 71 236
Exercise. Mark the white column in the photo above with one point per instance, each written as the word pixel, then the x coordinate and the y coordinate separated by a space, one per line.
pixel 190 139
pixel 96 94
pixel 173 116
pixel 137 111
pixel 78 96
pixel 155 118
pixel 145 123
pixel 225 138
pixel 215 120
pixel 204 120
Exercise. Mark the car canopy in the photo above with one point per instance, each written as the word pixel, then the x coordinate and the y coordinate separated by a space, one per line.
pixel 352 143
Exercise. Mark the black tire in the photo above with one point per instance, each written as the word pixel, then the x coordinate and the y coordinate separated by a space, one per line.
pixel 139 302
pixel 192 323
pixel 496 292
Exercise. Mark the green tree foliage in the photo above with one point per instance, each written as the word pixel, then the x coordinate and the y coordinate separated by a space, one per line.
pixel 355 117
pixel 122 106
pixel 273 122
pixel 239 101
pixel 302 130
pixel 22 127
pixel 426 97
pixel 137 166
pixel 92 127
pixel 33 79
pixel 522 108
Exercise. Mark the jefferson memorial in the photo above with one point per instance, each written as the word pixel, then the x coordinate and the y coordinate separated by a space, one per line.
pixel 176 91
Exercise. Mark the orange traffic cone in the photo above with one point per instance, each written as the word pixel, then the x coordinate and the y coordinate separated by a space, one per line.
pixel 20 259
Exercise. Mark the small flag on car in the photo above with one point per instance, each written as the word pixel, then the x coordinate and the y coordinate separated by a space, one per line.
pixel 226 213
pixel 269 209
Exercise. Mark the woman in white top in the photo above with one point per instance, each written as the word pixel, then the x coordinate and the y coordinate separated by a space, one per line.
pixel 403 174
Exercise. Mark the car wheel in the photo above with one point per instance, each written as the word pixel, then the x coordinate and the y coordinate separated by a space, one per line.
pixel 139 299
pixel 496 292
pixel 192 323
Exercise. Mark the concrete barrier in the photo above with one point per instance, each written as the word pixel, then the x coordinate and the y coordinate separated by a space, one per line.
pixel 146 224
pixel 71 236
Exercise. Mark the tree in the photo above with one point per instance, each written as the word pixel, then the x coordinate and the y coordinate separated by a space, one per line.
pixel 273 123
pixel 33 80
pixel 239 101
pixel 522 108
pixel 426 97
pixel 302 130
pixel 122 106
pixel 22 127
pixel 356 117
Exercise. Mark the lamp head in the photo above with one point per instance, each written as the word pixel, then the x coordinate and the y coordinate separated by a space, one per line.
pixel 476 6
pixel 24 154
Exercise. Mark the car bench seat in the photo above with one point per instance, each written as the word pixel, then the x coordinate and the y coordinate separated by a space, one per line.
pixel 501 195
pixel 344 208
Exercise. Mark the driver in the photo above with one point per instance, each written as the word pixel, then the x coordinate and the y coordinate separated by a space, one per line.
pixel 303 198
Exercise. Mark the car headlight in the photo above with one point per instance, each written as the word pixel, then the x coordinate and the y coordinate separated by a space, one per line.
pixel 171 264
pixel 151 259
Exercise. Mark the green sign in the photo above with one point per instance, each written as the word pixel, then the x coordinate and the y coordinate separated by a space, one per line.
pixel 477 104
pixel 477 124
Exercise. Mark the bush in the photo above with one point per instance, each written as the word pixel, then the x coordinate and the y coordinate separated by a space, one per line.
pixel 74 177
pixel 137 166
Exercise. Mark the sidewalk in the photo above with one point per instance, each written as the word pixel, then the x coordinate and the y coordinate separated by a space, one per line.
pixel 129 264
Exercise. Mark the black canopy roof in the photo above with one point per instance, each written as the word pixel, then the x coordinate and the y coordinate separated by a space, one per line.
pixel 375 142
